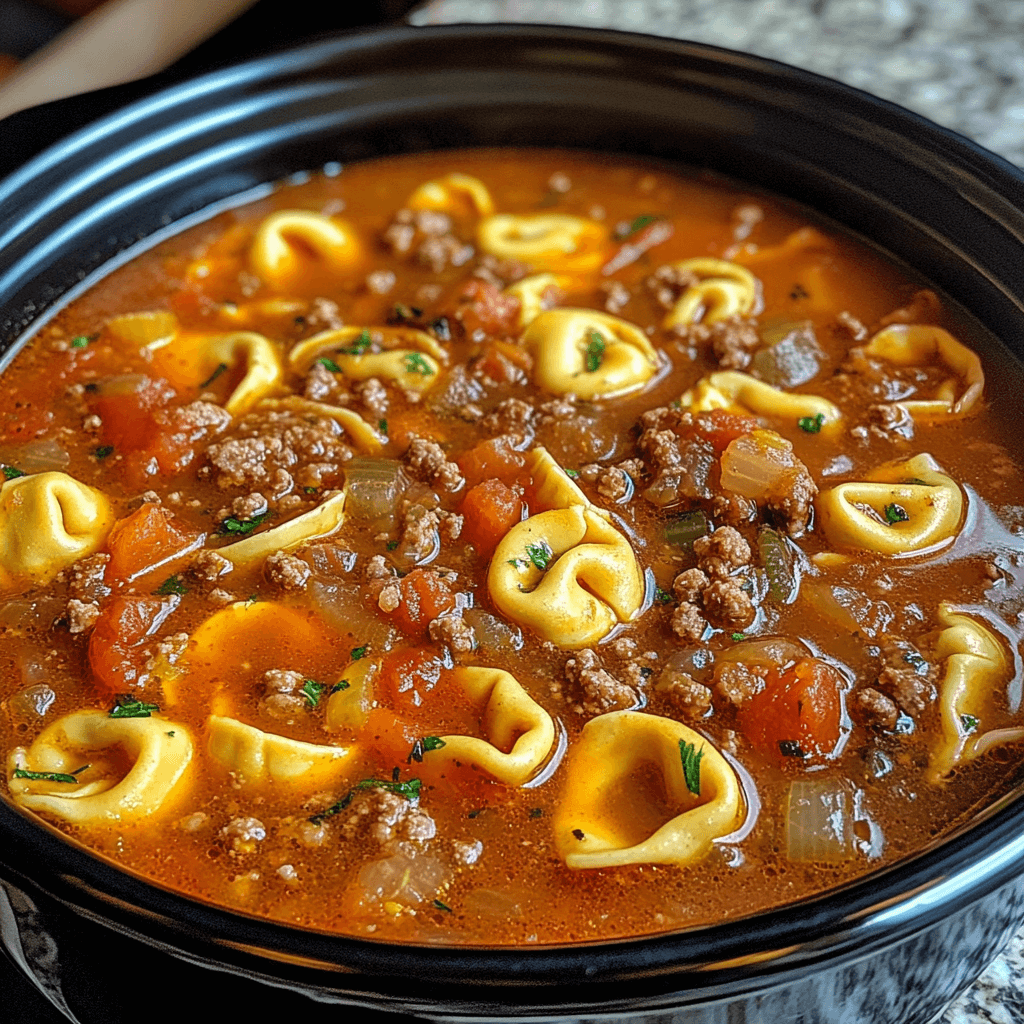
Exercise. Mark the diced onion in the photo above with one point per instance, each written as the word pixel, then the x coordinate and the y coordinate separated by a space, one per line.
pixel 791 356
pixel 41 456
pixel 752 467
pixel 771 651
pixel 374 488
pixel 826 823
pixel 492 634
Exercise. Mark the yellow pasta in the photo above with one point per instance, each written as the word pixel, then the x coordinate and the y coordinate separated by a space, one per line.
pixel 531 292
pixel 459 194
pixel 612 810
pixel 723 289
pixel 263 370
pixel 289 241
pixel 545 241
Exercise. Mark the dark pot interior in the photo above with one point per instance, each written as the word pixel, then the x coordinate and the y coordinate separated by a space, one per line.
pixel 895 946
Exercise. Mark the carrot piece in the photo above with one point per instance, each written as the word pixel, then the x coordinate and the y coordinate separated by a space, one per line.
pixel 389 736
pixel 484 307
pixel 798 716
pixel 407 677
pixel 117 648
pixel 490 509
pixel 490 460
pixel 143 540
pixel 127 405
pixel 425 596
pixel 721 428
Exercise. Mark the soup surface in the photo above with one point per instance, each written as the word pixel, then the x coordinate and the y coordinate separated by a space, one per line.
pixel 499 547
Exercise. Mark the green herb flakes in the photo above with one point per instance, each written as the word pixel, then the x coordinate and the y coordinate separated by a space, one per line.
pixel 536 812
pixel 442 906
pixel 10 472
pixel 127 706
pixel 343 684
pixel 221 368
pixel 595 350
pixel 624 231
pixel 662 596
pixel 382 426
pixel 409 789
pixel 895 514
pixel 391 545
pixel 415 363
pixel 242 527
pixel 424 746
pixel 82 340
pixel 572 474
pixel 312 691
pixel 540 554
pixel 172 585
pixel 23 773
pixel 103 451
pixel 739 636
pixel 969 722
pixel 691 758
pixel 330 364
pixel 359 652
pixel 357 348
pixel 811 424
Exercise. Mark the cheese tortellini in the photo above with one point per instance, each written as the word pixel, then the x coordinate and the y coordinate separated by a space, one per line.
pixel 460 194
pixel 557 242
pixel 517 732
pixel 739 392
pixel 533 292
pixel 905 507
pixel 263 370
pixel 257 758
pixel 49 521
pixel 976 667
pixel 160 752
pixel 403 355
pixel 289 241
pixel 588 353
pixel 565 572
pixel 914 344
pixel 612 810
pixel 722 290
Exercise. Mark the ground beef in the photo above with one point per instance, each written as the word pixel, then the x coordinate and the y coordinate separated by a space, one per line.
pixel 242 836
pixel 688 622
pixel 85 578
pixel 792 507
pixel 601 691
pixel 906 676
pixel 324 315
pixel 454 632
pixel 633 667
pixel 323 386
pixel 557 409
pixel 720 553
pixel 244 507
pixel 727 605
pixel 209 566
pixel 282 696
pixel 466 851
pixel 890 420
pixel 689 585
pixel 486 311
pixel 613 483
pixel 709 593
pixel 677 459
pixel 513 416
pixel 427 461
pixel 377 568
pixel 732 508
pixel 267 447
pixel 733 341
pixel 691 698
pixel 874 709
pixel 380 282
pixel 81 615
pixel 427 236
pixel 383 816
pixel 668 282
pixel 616 296
pixel 420 537
pixel 374 397
pixel 736 683
pixel 501 273
pixel 451 527
pixel 286 571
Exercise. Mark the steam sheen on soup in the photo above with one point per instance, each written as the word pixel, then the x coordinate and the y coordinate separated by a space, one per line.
pixel 503 547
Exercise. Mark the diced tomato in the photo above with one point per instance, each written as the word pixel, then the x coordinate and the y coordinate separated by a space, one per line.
pixel 721 428
pixel 484 307
pixel 490 509
pixel 126 406
pixel 389 736
pixel 494 459
pixel 117 647
pixel 425 596
pixel 407 676
pixel 146 538
pixel 504 362
pixel 798 716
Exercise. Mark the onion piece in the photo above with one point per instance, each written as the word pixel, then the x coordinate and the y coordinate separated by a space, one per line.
pixel 771 651
pixel 827 823
pixel 492 633
pixel 756 464
pixel 374 488
pixel 791 355
pixel 41 456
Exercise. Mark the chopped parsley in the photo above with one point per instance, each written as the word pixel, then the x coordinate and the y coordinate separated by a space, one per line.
pixel 424 746
pixel 404 312
pixel 171 734
pixel 391 545
pixel 243 526
pixel 442 906
pixel 221 368
pixel 540 554
pixel 595 351
pixel 572 474
pixel 82 340
pixel 127 706
pixel 359 346
pixel 624 231
pixel 382 426
pixel 312 691
pixel 969 722
pixel 410 790
pixel 739 636
pixel 662 596
pixel 895 514
pixel 415 363
pixel 172 585
pixel 536 812
pixel 691 758
pixel 811 424
pixel 339 686
pixel 359 652
pixel 330 364
pixel 10 472
pixel 103 451
pixel 309 490
pixel 790 748
pixel 24 773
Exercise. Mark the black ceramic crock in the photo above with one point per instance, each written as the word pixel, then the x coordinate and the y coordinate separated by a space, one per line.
pixel 896 946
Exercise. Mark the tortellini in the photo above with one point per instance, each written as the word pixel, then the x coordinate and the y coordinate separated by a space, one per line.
pixel 152 329
pixel 160 752
pixel 975 667
pixel 723 289
pixel 454 193
pixel 551 486
pixel 588 353
pixel 913 344
pixel 557 242
pixel 276 258
pixel 257 758
pixel 263 370
pixel 510 721
pixel 532 293
pixel 49 521
pixel 739 392
pixel 641 789
pixel 905 507
pixel 319 522
pixel 407 357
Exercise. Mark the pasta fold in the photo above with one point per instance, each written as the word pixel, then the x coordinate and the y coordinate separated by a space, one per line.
pixel 49 521
pixel 722 290
pixel 263 370
pixel 739 392
pixel 257 758
pixel 518 732
pixel 152 329
pixel 628 798
pixel 358 431
pixel 546 241
pixel 160 752
pixel 532 293
pixel 287 241
pixel 903 507
pixel 588 353
pixel 913 344
pixel 461 194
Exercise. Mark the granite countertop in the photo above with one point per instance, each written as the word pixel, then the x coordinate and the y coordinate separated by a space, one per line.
pixel 959 63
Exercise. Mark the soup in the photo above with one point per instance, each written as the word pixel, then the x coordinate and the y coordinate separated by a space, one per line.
pixel 499 547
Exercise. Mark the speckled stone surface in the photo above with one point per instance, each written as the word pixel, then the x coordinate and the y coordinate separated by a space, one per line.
pixel 959 63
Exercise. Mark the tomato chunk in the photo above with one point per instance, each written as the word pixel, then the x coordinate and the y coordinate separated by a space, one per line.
pixel 144 540
pixel 424 596
pixel 490 509
pixel 117 647
pixel 494 459
pixel 798 716
pixel 721 428
pixel 484 307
